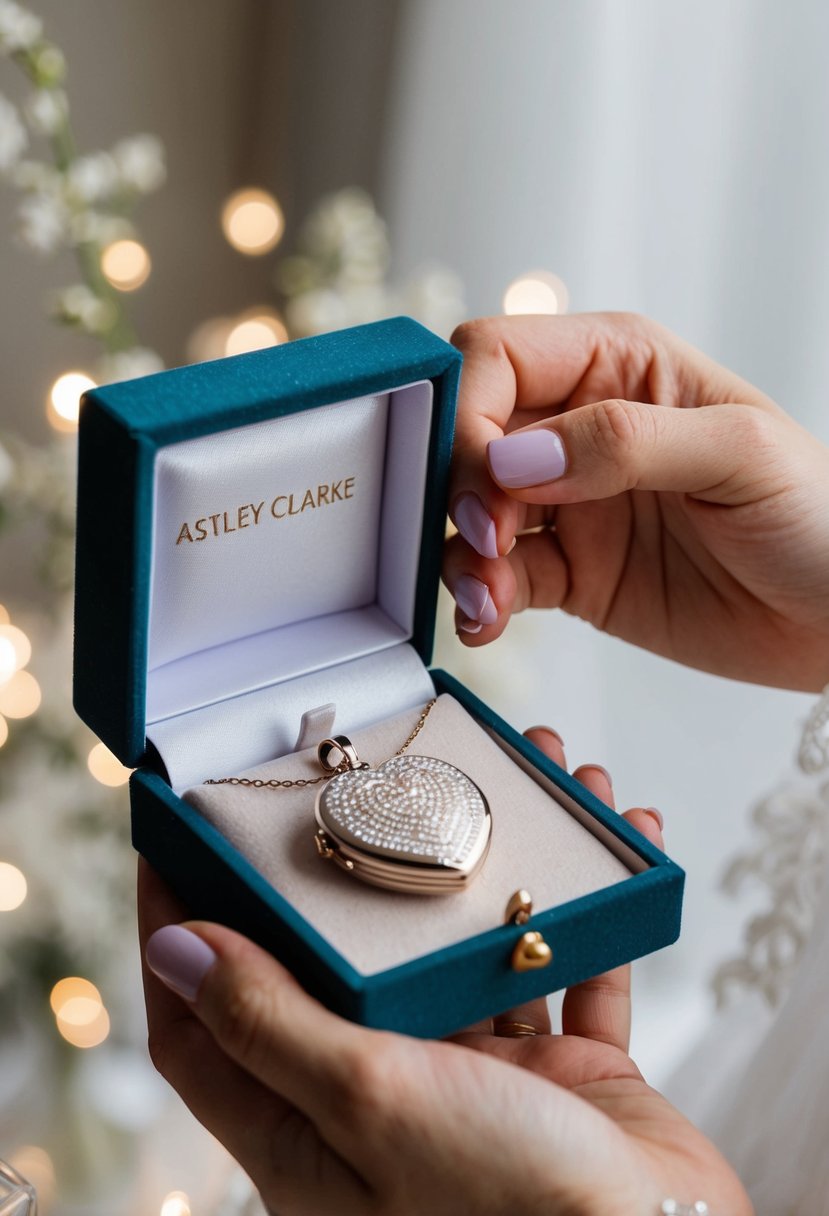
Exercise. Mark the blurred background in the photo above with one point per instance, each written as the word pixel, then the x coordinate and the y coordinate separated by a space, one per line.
pixel 184 181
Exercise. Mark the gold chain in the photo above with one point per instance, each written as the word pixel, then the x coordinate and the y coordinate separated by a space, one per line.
pixel 300 782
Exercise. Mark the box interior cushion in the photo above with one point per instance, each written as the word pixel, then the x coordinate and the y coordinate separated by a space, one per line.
pixel 536 844
pixel 283 548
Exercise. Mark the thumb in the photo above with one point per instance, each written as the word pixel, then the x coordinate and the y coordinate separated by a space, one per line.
pixel 727 454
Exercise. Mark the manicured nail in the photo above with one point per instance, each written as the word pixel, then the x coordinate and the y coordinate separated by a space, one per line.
pixel 475 525
pixel 467 626
pixel 655 814
pixel 473 598
pixel 600 769
pixel 527 458
pixel 548 730
pixel 180 959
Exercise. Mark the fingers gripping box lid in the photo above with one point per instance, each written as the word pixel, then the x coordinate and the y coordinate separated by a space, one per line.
pixel 258 558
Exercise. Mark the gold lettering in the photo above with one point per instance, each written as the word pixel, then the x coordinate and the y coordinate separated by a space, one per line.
pixel 249 514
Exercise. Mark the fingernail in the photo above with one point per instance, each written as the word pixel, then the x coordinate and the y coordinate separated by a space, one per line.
pixel 529 458
pixel 548 730
pixel 655 814
pixel 475 525
pixel 180 959
pixel 467 626
pixel 600 769
pixel 473 598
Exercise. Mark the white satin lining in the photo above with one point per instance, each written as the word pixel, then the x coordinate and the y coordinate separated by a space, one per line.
pixel 249 625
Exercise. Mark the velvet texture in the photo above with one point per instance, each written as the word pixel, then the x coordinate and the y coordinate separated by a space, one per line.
pixel 123 425
pixel 121 429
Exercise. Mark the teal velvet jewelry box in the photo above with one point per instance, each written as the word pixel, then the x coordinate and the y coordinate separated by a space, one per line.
pixel 258 536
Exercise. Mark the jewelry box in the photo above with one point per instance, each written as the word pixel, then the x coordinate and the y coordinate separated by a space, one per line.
pixel 258 557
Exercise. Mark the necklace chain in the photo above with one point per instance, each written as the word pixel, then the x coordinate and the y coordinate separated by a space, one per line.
pixel 258 783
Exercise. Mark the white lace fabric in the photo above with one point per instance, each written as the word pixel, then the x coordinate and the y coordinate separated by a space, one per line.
pixel 758 1083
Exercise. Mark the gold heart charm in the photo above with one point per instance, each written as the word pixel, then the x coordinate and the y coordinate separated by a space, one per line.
pixel 414 824
pixel 531 953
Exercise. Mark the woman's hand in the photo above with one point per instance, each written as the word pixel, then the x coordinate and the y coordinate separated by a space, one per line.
pixel 330 1118
pixel 652 493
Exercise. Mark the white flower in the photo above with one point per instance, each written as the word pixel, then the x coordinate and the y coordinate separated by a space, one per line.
pixel 96 228
pixel 434 296
pixel 19 29
pixel 129 365
pixel 46 110
pixel 13 138
pixel 81 306
pixel 36 175
pixel 93 177
pixel 43 222
pixel 140 162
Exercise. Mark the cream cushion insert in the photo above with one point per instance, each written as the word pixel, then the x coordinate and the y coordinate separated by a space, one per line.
pixel 536 844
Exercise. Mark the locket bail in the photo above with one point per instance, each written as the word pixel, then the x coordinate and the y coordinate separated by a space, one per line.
pixel 348 760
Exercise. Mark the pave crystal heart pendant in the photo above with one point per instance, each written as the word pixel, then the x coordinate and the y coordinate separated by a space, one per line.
pixel 414 824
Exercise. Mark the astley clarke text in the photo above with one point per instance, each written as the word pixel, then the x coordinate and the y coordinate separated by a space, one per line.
pixel 251 514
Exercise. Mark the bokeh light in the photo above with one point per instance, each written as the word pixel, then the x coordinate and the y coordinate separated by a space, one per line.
pixel 107 768
pixel 8 660
pixel 537 291
pixel 73 988
pixel 20 696
pixel 65 400
pixel 4 616
pixel 255 331
pixel 82 1023
pixel 126 264
pixel 252 221
pixel 13 887
pixel 37 1167
pixel 177 1203
pixel 79 1012
pixel 15 651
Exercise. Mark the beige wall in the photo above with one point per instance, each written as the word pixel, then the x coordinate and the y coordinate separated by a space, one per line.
pixel 285 93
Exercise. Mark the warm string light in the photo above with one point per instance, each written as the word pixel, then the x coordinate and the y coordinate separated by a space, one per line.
pixel 107 768
pixel 126 264
pixel 255 331
pixel 13 887
pixel 537 291
pixel 177 1203
pixel 19 691
pixel 37 1167
pixel 64 402
pixel 80 1014
pixel 252 221
pixel 20 696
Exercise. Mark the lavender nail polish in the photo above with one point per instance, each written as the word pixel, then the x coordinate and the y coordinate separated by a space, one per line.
pixel 527 458
pixel 475 525
pixel 470 627
pixel 473 598
pixel 655 814
pixel 180 959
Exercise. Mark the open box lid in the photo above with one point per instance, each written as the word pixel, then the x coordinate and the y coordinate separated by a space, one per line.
pixel 238 516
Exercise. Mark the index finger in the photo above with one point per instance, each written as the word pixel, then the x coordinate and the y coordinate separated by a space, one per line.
pixel 533 364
